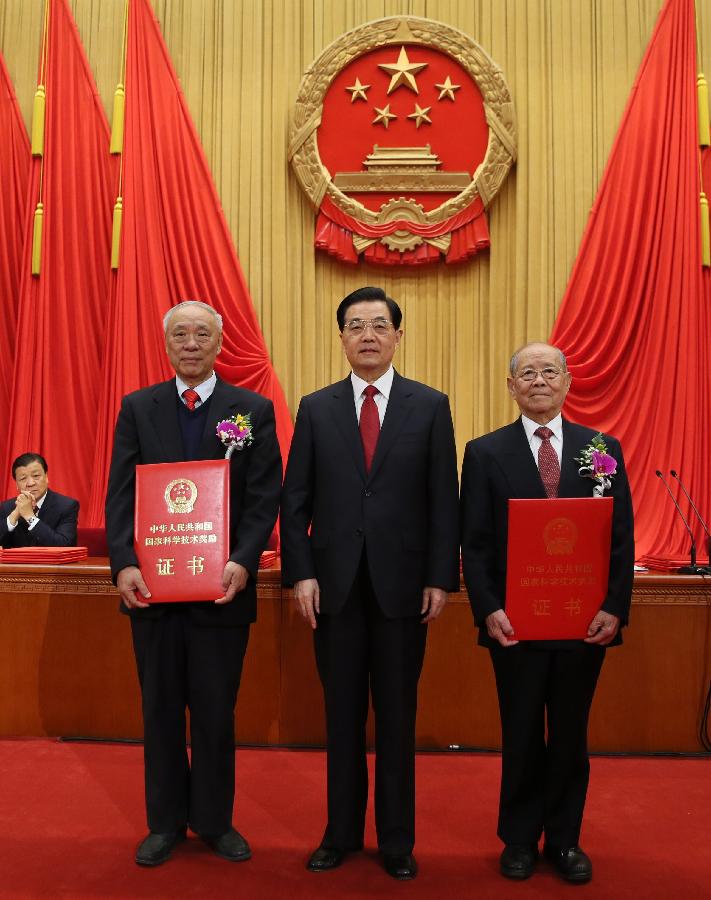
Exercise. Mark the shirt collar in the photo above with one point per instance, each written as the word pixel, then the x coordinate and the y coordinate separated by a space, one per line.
pixel 384 384
pixel 555 425
pixel 204 389
pixel 41 500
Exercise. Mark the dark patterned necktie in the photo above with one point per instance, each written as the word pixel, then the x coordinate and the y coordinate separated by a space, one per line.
pixel 548 464
pixel 369 425
pixel 191 397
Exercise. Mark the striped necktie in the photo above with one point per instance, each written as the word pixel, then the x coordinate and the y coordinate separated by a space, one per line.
pixel 191 397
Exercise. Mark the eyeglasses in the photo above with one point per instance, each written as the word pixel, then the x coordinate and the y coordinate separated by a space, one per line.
pixel 358 326
pixel 183 337
pixel 550 373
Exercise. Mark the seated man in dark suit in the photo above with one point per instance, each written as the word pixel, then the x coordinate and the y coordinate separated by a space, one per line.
pixel 37 517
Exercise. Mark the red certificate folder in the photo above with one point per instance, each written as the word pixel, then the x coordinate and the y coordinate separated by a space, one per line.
pixel 43 555
pixel 557 567
pixel 182 529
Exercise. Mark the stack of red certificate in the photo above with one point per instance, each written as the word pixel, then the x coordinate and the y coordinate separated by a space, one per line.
pixel 268 559
pixel 48 556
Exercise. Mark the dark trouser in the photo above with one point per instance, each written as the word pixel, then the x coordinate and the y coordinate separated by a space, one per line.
pixel 544 778
pixel 355 649
pixel 181 664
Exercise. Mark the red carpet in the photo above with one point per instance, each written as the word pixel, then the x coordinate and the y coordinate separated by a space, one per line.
pixel 71 815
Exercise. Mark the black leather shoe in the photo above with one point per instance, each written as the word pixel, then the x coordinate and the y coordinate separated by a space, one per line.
pixel 230 845
pixel 402 866
pixel 156 848
pixel 325 858
pixel 571 862
pixel 518 860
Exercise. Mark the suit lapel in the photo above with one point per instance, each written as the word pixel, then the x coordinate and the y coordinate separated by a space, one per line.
pixel 399 407
pixel 571 484
pixel 222 406
pixel 165 421
pixel 45 511
pixel 343 409
pixel 519 466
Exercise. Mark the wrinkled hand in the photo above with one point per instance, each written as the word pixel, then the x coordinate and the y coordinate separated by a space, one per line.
pixel 128 581
pixel 234 580
pixel 433 600
pixel 306 595
pixel 500 629
pixel 25 505
pixel 602 629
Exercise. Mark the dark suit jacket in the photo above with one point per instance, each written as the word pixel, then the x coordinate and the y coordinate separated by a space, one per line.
pixel 500 466
pixel 148 431
pixel 57 526
pixel 404 511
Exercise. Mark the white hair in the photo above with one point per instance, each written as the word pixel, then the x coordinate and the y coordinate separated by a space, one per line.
pixel 513 365
pixel 199 304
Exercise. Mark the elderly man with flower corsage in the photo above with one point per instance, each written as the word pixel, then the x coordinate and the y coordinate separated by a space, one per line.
pixel 545 688
pixel 190 654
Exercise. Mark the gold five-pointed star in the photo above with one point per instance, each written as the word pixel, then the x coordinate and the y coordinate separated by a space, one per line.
pixel 447 89
pixel 403 72
pixel 420 115
pixel 358 90
pixel 384 116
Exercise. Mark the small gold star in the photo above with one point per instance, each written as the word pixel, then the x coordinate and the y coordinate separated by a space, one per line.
pixel 384 116
pixel 447 89
pixel 403 72
pixel 358 90
pixel 420 115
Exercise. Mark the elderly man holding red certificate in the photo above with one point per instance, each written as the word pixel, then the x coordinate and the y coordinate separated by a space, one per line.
pixel 168 528
pixel 548 556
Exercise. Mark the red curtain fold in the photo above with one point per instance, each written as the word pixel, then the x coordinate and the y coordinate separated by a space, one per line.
pixel 635 318
pixel 421 255
pixel 14 177
pixel 62 313
pixel 175 246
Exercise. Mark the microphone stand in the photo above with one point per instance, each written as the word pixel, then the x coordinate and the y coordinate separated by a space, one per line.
pixel 673 474
pixel 691 569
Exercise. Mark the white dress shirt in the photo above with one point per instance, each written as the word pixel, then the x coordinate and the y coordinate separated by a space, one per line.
pixel 384 384
pixel 204 389
pixel 556 439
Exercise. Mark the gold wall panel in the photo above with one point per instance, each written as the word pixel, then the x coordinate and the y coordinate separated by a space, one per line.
pixel 570 65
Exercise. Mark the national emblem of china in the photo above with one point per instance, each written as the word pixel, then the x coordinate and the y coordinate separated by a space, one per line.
pixel 403 132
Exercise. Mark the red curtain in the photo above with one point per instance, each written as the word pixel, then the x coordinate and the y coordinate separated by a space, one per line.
pixel 636 316
pixel 62 313
pixel 14 175
pixel 175 246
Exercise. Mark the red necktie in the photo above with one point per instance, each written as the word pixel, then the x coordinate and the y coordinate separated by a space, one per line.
pixel 191 397
pixel 369 425
pixel 548 464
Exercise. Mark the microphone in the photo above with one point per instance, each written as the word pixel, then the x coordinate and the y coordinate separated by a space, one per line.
pixel 698 514
pixel 691 569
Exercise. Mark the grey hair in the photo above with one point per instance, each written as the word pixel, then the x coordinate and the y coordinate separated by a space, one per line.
pixel 199 304
pixel 513 365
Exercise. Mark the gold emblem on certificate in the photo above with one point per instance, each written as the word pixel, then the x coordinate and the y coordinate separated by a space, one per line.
pixel 559 536
pixel 180 495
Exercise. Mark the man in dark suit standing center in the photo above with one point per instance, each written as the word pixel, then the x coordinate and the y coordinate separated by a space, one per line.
pixel 369 541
